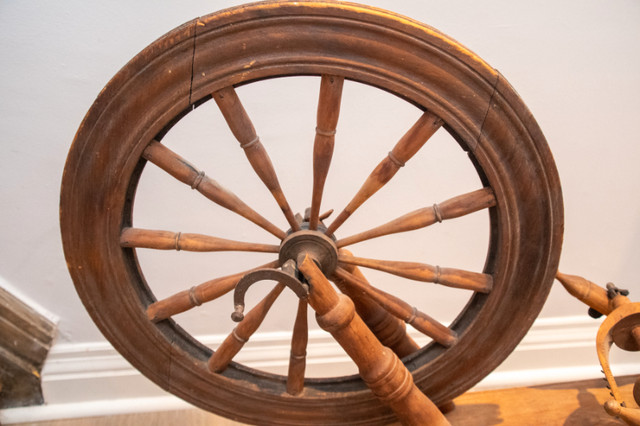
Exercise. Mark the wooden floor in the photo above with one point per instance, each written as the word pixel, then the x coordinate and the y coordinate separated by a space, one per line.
pixel 575 403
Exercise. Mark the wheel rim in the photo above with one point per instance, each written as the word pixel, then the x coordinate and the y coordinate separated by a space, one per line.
pixel 496 126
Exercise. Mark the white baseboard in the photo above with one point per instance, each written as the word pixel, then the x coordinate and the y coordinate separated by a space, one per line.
pixel 92 379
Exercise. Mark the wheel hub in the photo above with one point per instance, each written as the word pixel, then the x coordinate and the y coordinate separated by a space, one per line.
pixel 316 244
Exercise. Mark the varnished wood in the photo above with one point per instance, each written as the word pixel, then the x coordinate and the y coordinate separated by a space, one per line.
pixel 449 277
pixel 389 330
pixel 205 292
pixel 455 207
pixel 167 240
pixel 297 359
pixel 242 128
pixel 243 332
pixel 586 291
pixel 182 170
pixel 326 122
pixel 401 309
pixel 481 111
pixel 379 367
pixel 406 148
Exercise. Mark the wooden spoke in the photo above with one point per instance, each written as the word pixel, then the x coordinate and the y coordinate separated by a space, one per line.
pixel 243 130
pixel 297 359
pixel 180 169
pixel 196 296
pixel 243 332
pixel 406 148
pixel 422 272
pixel 327 120
pixel 390 330
pixel 167 240
pixel 455 207
pixel 401 309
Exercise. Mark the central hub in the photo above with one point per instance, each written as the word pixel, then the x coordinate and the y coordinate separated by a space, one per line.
pixel 316 244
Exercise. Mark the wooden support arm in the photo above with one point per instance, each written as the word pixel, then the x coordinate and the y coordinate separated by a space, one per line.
pixel 379 367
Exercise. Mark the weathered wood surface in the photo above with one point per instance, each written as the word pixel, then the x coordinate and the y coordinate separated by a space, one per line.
pixel 197 295
pixel 188 174
pixel 378 366
pixel 401 309
pixel 297 359
pixel 406 148
pixel 242 128
pixel 326 122
pixel 25 340
pixel 461 205
pixel 167 240
pixel 389 330
pixel 243 332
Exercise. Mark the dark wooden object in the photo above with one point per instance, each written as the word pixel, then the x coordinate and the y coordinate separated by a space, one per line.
pixel 25 340
pixel 209 57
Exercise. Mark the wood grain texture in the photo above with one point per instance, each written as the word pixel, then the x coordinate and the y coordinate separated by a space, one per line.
pixel 406 148
pixel 167 240
pixel 455 207
pixel 326 122
pixel 188 174
pixel 243 332
pixel 448 277
pixel 379 367
pixel 389 330
pixel 243 130
pixel 197 295
pixel 401 309
pixel 297 359
pixel 586 291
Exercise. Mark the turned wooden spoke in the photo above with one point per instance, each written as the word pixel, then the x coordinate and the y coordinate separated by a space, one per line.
pixel 197 295
pixel 390 330
pixel 297 359
pixel 182 170
pixel 401 309
pixel 243 332
pixel 402 152
pixel 327 120
pixel 449 277
pixel 243 130
pixel 455 207
pixel 167 240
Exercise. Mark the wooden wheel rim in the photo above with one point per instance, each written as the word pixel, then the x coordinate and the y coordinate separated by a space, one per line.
pixel 479 108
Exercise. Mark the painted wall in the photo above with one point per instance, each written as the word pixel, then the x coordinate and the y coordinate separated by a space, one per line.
pixel 574 63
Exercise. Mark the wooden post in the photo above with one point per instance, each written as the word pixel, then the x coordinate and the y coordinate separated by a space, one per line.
pixel 379 367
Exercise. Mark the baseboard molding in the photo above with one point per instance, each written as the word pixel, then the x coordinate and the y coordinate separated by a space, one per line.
pixel 92 379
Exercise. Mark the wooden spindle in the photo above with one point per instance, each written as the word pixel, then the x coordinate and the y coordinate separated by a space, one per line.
pixel 242 128
pixel 389 330
pixel 455 207
pixel 406 148
pixel 379 367
pixel 449 277
pixel 298 357
pixel 188 174
pixel 327 120
pixel 401 309
pixel 221 358
pixel 584 290
pixel 197 295
pixel 167 240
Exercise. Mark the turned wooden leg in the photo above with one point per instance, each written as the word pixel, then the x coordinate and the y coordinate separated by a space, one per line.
pixel 379 367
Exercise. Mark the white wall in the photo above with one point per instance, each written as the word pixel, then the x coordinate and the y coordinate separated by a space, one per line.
pixel 575 64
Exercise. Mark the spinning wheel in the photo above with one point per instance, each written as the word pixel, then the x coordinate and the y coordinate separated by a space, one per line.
pixel 205 60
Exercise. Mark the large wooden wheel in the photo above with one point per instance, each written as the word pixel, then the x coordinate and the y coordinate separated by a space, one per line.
pixel 204 61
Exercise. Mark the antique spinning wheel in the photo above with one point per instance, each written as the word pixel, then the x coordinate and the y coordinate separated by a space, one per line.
pixel 332 42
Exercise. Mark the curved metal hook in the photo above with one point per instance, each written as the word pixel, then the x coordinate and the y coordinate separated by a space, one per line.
pixel 286 276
